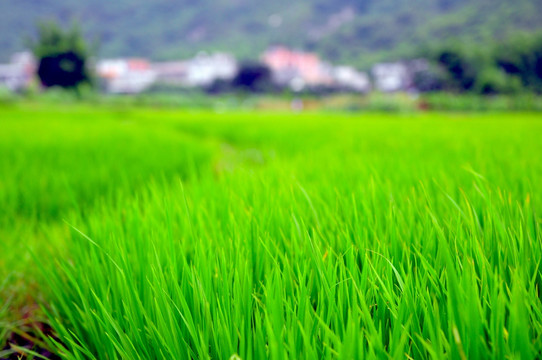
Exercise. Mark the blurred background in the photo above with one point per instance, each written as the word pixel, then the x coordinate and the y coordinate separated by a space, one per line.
pixel 301 54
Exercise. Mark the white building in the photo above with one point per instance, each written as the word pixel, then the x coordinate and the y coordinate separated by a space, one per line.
pixel 200 71
pixel 351 79
pixel 390 77
pixel 126 76
pixel 18 73
pixel 171 72
pixel 297 69
pixel 204 70
pixel 398 76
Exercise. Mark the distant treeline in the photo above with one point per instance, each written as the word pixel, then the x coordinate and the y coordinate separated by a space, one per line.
pixel 511 66
pixel 506 67
pixel 356 32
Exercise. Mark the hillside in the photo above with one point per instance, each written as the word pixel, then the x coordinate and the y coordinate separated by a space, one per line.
pixel 357 32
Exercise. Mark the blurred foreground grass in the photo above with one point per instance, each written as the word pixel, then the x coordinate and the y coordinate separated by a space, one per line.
pixel 172 234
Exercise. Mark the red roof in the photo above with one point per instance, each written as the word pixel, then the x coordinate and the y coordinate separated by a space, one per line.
pixel 138 64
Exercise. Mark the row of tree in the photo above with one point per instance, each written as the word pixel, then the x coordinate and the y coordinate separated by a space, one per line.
pixel 506 67
pixel 63 61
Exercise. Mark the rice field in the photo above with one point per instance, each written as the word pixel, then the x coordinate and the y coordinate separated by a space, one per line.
pixel 169 234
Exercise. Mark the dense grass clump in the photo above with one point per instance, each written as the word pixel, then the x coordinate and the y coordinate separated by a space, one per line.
pixel 295 236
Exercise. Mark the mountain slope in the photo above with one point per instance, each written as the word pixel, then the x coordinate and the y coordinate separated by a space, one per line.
pixel 357 32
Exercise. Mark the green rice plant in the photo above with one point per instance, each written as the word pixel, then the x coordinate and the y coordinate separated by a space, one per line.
pixel 299 236
pixel 196 273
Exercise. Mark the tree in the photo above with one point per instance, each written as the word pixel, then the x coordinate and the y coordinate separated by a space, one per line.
pixel 461 69
pixel 253 77
pixel 493 80
pixel 521 56
pixel 62 56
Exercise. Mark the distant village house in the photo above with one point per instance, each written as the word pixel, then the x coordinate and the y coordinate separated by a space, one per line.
pixel 130 76
pixel 398 76
pixel 203 70
pixel 125 76
pixel 19 72
pixel 299 70
pixel 291 69
pixel 350 79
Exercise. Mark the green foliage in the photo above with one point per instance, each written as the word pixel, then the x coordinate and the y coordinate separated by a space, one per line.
pixel 52 40
pixel 6 96
pixel 253 77
pixel 197 235
pixel 443 101
pixel 380 30
pixel 462 67
pixel 492 80
pixel 521 56
pixel 506 67
pixel 62 56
